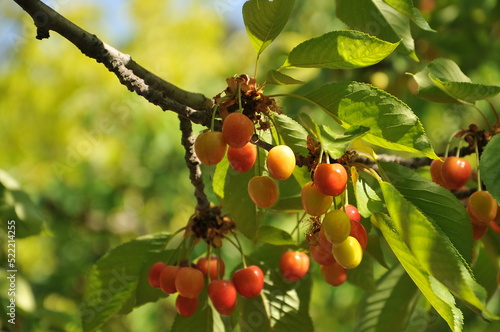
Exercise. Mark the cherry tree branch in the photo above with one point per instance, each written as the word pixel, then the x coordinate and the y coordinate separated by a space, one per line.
pixel 193 106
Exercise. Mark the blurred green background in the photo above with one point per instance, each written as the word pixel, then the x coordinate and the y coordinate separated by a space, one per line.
pixel 103 166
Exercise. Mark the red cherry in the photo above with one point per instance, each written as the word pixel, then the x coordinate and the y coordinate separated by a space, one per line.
pixel 478 231
pixel 331 179
pixel 215 264
pixel 435 170
pixel 334 274
pixel 294 265
pixel 185 306
pixel 313 201
pixel 154 274
pixel 242 159
pixel 322 255
pixel 249 281
pixel 237 130
pixel 167 278
pixel 189 282
pixel 222 293
pixel 359 232
pixel 455 172
pixel 352 212
pixel 263 191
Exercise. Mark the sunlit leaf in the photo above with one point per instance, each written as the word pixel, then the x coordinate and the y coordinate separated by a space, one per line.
pixel 278 78
pixel 264 20
pixel 489 167
pixel 392 123
pixel 432 249
pixel 406 8
pixel 390 306
pixel 344 49
pixel 292 133
pixel 231 189
pixel 434 291
pixel 336 144
pixel 379 19
pixel 310 125
pixel 439 205
pixel 112 282
pixel 368 194
pixel 443 81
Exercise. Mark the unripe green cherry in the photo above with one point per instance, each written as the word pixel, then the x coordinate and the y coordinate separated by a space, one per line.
pixel 337 226
pixel 280 162
pixel 313 201
pixel 348 253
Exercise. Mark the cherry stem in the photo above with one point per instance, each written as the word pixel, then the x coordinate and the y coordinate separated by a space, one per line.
pixel 449 142
pixel 219 265
pixel 494 110
pixel 239 98
pixel 237 245
pixel 484 116
pixel 479 184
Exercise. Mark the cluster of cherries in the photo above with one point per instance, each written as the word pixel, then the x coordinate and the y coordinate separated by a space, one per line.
pixel 453 173
pixel 189 281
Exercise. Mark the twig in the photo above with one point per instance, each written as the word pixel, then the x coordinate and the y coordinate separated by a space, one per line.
pixel 193 164
pixel 193 106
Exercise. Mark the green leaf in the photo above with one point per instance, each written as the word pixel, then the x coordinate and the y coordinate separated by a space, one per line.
pixel 367 191
pixel 231 189
pixel 310 125
pixel 264 20
pixel 406 8
pixel 434 291
pixel 392 123
pixel 253 316
pixel 362 276
pixel 292 133
pixel 278 78
pixel 336 144
pixel 442 81
pixel 379 19
pixel 485 270
pixel 202 320
pixel 345 49
pixel 432 249
pixel 390 306
pixel 275 236
pixel 113 280
pixel 488 166
pixel 439 205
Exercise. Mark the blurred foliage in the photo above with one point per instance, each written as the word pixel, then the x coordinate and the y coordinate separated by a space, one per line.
pixel 104 166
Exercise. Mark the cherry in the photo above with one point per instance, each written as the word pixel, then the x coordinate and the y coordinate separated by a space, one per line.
pixel 313 201
pixel 321 255
pixel 294 265
pixel 337 226
pixel 249 281
pixel 359 232
pixel 334 274
pixel 263 191
pixel 189 282
pixel 216 265
pixel 455 172
pixel 479 230
pixel 237 130
pixel 323 241
pixel 482 206
pixel 352 212
pixel 331 179
pixel 280 162
pixel 222 293
pixel 185 306
pixel 348 253
pixel 167 278
pixel 210 147
pixel 495 227
pixel 242 159
pixel 154 274
pixel 435 170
